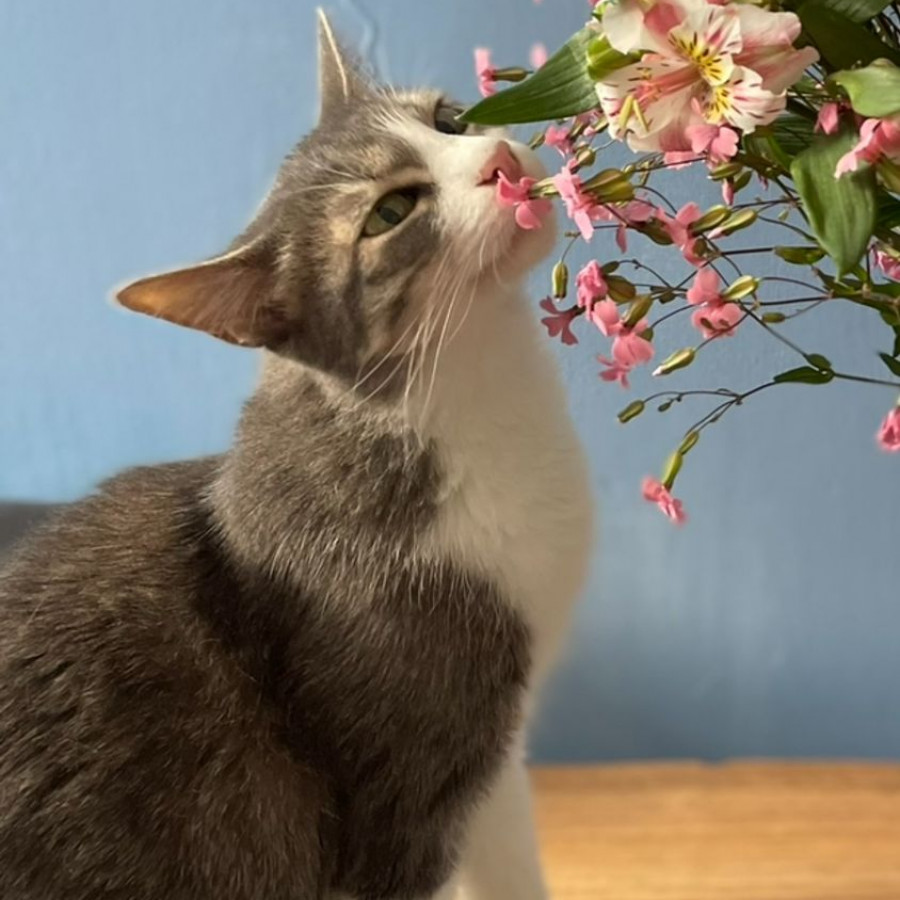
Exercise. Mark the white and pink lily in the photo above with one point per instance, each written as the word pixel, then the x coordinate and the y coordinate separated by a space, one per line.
pixel 702 64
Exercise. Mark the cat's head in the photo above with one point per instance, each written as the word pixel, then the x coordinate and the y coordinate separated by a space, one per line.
pixel 379 220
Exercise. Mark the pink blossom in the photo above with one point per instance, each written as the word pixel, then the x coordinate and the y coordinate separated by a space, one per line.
pixel 715 317
pixel 889 434
pixel 485 71
pixel 829 118
pixel 888 263
pixel 538 55
pixel 559 322
pixel 580 206
pixel 680 159
pixel 728 192
pixel 614 371
pixel 877 138
pixel 717 143
pixel 656 492
pixel 515 193
pixel 591 285
pixel 605 315
pixel 700 63
pixel 635 212
pixel 679 229
pixel 558 136
pixel 630 348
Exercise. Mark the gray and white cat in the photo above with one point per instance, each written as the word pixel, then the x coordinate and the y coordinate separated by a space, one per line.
pixel 303 669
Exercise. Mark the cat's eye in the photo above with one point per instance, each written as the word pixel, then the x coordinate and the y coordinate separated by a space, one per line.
pixel 446 120
pixel 390 211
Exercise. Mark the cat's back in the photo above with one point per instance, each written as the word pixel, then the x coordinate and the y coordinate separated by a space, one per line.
pixel 132 746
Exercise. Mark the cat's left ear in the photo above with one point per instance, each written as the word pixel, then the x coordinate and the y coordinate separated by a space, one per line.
pixel 341 80
pixel 230 297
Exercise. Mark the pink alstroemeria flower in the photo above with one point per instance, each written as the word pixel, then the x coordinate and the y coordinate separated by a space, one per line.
pixel 679 229
pixel 877 138
pixel 701 64
pixel 718 143
pixel 557 136
pixel 829 119
pixel 529 210
pixel 581 207
pixel 889 434
pixel 887 262
pixel 559 322
pixel 715 317
pixel 485 71
pixel 605 315
pixel 656 492
pixel 614 371
pixel 629 348
pixel 590 285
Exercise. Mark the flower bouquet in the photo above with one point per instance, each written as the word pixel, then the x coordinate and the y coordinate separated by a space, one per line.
pixel 794 109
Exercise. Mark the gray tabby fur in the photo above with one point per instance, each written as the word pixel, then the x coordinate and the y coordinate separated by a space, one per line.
pixel 228 678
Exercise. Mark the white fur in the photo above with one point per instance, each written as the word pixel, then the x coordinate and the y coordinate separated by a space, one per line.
pixel 516 506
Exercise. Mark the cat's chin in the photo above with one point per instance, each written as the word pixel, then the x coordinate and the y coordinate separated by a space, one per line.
pixel 525 248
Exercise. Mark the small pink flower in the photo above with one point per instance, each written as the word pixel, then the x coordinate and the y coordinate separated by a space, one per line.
pixel 680 159
pixel 877 138
pixel 515 193
pixel 538 55
pixel 605 315
pixel 656 492
pixel 558 136
pixel 485 71
pixel 559 322
pixel 614 372
pixel 715 317
pixel 630 348
pixel 679 229
pixel 717 143
pixel 728 192
pixel 829 118
pixel 591 285
pixel 579 205
pixel 889 433
pixel 888 263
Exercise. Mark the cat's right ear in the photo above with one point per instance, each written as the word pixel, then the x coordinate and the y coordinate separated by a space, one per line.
pixel 230 297
pixel 341 80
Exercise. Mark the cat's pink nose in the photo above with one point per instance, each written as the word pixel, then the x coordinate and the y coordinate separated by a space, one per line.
pixel 501 160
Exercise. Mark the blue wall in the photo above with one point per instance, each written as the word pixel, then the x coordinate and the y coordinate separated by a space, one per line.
pixel 141 135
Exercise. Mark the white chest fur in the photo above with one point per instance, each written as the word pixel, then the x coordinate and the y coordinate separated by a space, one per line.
pixel 516 503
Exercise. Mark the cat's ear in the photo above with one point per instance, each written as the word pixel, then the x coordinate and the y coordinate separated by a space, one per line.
pixel 341 80
pixel 230 297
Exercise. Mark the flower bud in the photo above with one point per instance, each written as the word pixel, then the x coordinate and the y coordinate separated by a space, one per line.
pixel 710 219
pixel 655 231
pixel 671 469
pixel 638 310
pixel 773 318
pixel 743 287
pixel 610 267
pixel 537 140
pixel 742 180
pixel 632 411
pixel 726 170
pixel 514 73
pixel 743 219
pixel 560 280
pixel 678 360
pixel 585 156
pixel 800 256
pixel 689 442
pixel 620 289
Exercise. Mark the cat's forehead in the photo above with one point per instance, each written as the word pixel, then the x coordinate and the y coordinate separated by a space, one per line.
pixel 367 142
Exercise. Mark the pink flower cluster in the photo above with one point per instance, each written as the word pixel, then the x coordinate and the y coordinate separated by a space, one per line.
pixel 878 139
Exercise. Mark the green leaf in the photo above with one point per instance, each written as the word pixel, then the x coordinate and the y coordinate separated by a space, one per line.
pixel 842 42
pixel 888 210
pixel 841 211
pixel 804 375
pixel 891 363
pixel 874 91
pixel 855 10
pixel 561 87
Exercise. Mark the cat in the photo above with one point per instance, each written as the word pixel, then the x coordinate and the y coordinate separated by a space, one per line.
pixel 303 668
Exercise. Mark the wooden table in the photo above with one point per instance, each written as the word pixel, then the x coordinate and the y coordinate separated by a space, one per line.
pixel 740 831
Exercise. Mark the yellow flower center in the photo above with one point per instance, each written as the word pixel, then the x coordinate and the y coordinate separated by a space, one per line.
pixel 710 66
